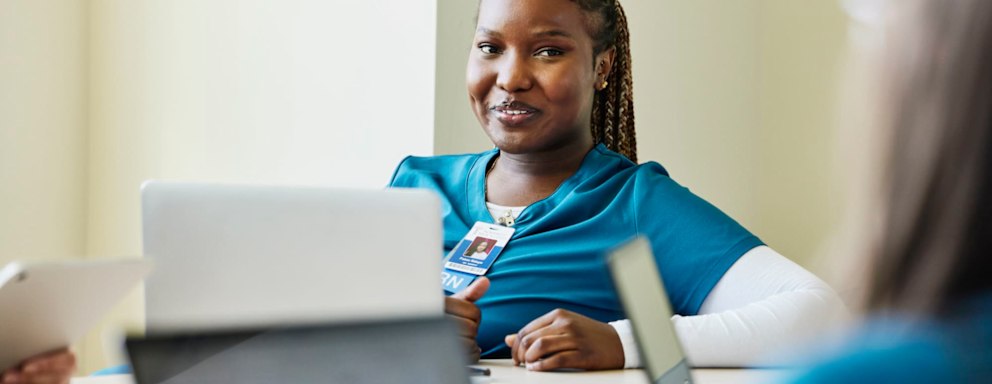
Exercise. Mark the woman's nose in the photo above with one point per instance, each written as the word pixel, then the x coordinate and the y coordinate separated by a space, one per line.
pixel 514 74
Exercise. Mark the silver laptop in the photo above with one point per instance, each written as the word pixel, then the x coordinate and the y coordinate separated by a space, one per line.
pixel 237 256
pixel 646 303
pixel 263 284
pixel 403 351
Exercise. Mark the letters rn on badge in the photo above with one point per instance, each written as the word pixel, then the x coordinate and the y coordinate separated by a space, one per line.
pixel 451 281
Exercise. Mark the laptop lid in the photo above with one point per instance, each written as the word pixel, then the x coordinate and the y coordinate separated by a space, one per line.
pixel 237 256
pixel 642 293
pixel 406 351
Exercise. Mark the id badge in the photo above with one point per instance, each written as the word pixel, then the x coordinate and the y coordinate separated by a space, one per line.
pixel 479 248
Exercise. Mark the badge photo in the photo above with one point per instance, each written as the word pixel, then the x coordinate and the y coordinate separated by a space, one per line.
pixel 478 250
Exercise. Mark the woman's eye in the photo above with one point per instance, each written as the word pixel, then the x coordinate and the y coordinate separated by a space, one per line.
pixel 488 49
pixel 550 52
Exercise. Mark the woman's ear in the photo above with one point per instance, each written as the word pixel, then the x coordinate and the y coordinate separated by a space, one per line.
pixel 604 64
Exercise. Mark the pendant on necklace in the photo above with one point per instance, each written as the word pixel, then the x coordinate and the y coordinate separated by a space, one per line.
pixel 506 220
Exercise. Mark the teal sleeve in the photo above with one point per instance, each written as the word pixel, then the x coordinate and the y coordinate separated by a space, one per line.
pixel 694 242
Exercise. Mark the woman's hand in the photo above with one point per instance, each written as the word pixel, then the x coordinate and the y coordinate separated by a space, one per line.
pixel 564 339
pixel 51 368
pixel 461 308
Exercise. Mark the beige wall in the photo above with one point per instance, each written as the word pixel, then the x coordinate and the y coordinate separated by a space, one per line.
pixel 734 98
pixel 42 129
pixel 696 95
pixel 97 96
pixel 798 193
pixel 298 92
pixel 456 129
pixel 43 154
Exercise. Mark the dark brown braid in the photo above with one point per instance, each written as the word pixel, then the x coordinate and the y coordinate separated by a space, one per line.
pixel 613 109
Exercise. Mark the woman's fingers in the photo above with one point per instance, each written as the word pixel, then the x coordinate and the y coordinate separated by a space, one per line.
pixel 510 340
pixel 536 324
pixel 540 322
pixel 45 378
pixel 42 377
pixel 461 308
pixel 564 339
pixel 10 376
pixel 466 327
pixel 546 346
pixel 524 342
pixel 567 359
pixel 471 349
pixel 559 316
pixel 55 367
pixel 467 330
pixel 474 291
pixel 60 361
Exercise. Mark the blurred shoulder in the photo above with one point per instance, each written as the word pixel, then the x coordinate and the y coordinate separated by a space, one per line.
pixel 953 349
pixel 412 168
pixel 912 359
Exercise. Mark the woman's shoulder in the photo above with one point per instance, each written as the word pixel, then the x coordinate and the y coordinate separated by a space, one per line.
pixel 648 183
pixel 439 162
pixel 620 168
pixel 447 166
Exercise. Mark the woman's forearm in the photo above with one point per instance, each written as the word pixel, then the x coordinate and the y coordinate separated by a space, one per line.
pixel 763 305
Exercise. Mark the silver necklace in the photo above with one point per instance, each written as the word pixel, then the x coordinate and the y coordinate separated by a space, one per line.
pixel 506 220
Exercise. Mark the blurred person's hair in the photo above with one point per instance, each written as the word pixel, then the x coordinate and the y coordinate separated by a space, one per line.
pixel 936 248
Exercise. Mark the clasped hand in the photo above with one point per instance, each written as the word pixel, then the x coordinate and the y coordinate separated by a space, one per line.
pixel 461 308
pixel 563 339
pixel 560 339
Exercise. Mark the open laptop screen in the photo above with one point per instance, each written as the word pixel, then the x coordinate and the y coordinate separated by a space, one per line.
pixel 231 256
pixel 646 303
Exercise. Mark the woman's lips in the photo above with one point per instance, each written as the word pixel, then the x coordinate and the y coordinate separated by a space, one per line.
pixel 514 114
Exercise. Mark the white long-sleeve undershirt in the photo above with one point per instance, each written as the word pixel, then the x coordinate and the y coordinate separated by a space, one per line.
pixel 763 304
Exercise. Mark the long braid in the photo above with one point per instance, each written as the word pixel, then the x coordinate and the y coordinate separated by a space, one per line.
pixel 613 110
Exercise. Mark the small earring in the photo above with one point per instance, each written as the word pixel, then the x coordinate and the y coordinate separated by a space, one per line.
pixel 603 85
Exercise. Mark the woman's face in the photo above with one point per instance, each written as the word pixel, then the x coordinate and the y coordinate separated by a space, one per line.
pixel 482 247
pixel 530 77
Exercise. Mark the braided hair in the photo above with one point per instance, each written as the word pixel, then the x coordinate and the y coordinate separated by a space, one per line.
pixel 613 109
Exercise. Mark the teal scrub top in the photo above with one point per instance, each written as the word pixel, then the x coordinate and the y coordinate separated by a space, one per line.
pixel 556 257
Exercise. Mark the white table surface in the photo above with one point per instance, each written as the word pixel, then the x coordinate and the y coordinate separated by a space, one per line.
pixel 503 371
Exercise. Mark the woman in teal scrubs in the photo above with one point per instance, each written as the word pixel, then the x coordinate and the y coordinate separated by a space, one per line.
pixel 550 83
